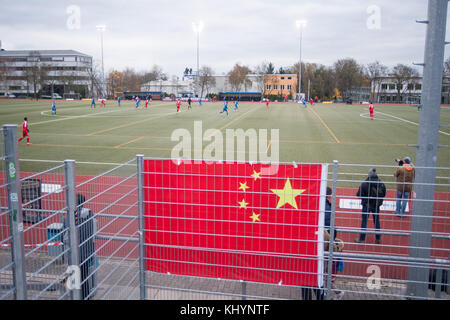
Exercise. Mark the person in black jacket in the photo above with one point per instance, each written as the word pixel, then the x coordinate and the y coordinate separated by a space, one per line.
pixel 371 192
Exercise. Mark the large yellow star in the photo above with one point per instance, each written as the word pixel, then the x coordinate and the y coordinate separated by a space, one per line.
pixel 255 217
pixel 243 204
pixel 243 186
pixel 287 195
pixel 256 175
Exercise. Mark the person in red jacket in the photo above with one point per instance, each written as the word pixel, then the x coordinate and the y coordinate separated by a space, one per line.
pixel 25 131
pixel 371 108
pixel 178 105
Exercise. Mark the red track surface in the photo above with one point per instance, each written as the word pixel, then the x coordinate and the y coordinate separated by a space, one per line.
pixel 345 218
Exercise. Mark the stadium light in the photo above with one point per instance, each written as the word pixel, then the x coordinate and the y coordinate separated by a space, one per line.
pixel 198 27
pixel 102 28
pixel 300 25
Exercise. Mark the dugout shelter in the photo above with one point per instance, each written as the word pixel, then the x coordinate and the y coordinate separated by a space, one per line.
pixel 143 95
pixel 242 96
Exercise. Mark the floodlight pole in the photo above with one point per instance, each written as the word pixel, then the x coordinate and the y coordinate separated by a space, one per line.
pixel 101 28
pixel 198 26
pixel 198 63
pixel 300 24
pixel 427 147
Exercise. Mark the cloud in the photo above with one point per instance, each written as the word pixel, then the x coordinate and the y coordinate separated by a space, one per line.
pixel 141 33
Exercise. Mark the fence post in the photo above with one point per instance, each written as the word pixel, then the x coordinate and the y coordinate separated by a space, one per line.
pixel 332 231
pixel 140 181
pixel 15 211
pixel 427 148
pixel 74 254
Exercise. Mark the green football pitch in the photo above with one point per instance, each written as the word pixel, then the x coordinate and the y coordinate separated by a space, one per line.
pixel 97 138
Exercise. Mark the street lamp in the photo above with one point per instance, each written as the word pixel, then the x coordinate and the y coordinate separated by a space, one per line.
pixel 300 24
pixel 198 27
pixel 102 29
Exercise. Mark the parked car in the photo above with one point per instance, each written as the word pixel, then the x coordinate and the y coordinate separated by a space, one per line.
pixel 55 96
pixel 10 95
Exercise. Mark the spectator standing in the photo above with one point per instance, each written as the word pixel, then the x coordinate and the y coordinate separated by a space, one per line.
pixel 371 192
pixel 404 176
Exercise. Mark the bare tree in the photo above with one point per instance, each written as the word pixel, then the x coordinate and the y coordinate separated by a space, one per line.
pixel 375 72
pixel 206 79
pixel 349 74
pixel 37 73
pixel 260 71
pixel 403 75
pixel 95 80
pixel 5 72
pixel 237 76
pixel 114 82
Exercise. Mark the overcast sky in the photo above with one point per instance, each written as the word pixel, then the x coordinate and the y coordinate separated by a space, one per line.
pixel 140 34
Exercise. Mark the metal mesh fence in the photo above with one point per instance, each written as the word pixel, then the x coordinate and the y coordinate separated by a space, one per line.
pixel 110 255
pixel 44 209
pixel 6 264
pixel 224 234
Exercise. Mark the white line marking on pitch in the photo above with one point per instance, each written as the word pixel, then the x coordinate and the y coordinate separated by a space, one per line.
pixel 447 134
pixel 367 116
pixel 82 116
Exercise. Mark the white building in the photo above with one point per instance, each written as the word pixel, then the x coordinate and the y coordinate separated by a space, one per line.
pixel 66 72
pixel 386 90
pixel 174 87
pixel 186 87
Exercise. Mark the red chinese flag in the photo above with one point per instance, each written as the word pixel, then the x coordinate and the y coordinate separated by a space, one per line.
pixel 232 221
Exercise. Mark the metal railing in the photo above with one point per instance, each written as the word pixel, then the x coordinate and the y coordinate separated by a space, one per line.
pixel 65 236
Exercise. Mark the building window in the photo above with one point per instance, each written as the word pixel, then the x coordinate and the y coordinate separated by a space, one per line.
pixel 384 86
pixel 282 87
pixel 268 87
pixel 289 78
pixel 275 87
pixel 289 87
pixel 391 86
pixel 418 86
pixel 282 78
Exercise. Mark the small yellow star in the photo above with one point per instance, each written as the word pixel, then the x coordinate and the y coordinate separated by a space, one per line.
pixel 243 186
pixel 243 204
pixel 255 217
pixel 256 175
pixel 287 195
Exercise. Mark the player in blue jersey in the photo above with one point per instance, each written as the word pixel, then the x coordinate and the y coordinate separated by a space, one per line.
pixel 225 107
pixel 118 101
pixel 304 102
pixel 137 102
pixel 200 102
pixel 93 102
pixel 53 108
pixel 236 104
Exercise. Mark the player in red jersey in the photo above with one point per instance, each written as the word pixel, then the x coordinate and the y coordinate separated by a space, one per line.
pixel 371 108
pixel 146 104
pixel 178 105
pixel 25 131
pixel 103 103
pixel 267 103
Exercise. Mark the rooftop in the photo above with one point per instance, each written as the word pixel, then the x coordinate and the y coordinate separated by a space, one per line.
pixel 17 53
